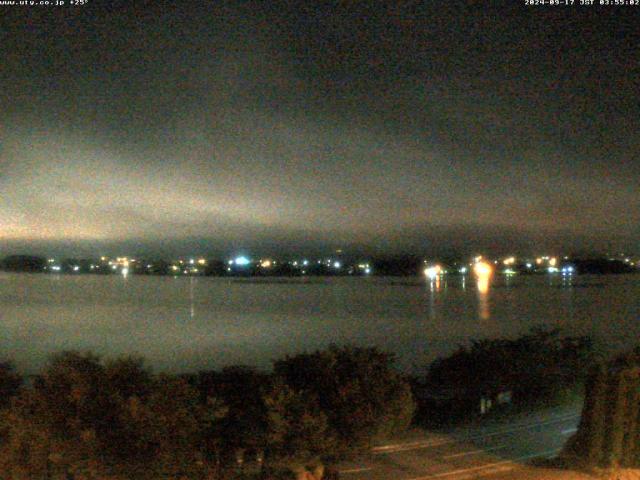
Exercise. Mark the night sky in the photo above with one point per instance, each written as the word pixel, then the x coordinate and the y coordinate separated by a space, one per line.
pixel 286 126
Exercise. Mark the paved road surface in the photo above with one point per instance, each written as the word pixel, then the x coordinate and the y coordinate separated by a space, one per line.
pixel 478 451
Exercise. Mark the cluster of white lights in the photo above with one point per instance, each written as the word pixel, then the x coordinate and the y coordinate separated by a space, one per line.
pixel 433 271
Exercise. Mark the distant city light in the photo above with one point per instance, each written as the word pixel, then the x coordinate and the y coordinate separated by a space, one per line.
pixel 509 271
pixel 242 261
pixel 55 268
pixel 567 270
pixel 125 271
pixel 305 262
pixel 202 261
pixel 230 262
pixel 553 262
pixel 433 271
pixel 463 270
pixel 367 271
pixel 509 261
pixel 552 270
pixel 266 264
pixel 482 269
pixel 483 272
pixel 337 264
pixel 529 265
pixel 76 268
pixel 192 261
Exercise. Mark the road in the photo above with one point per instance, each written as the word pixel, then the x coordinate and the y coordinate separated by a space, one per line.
pixel 483 450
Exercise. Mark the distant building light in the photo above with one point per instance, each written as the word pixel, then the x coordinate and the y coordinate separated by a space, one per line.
pixel 482 269
pixel 76 268
pixel 553 262
pixel 242 261
pixel 305 262
pixel 230 262
pixel 529 265
pixel 367 271
pixel 55 268
pixel 509 271
pixel 433 272
pixel 337 264
pixel 463 270
pixel 114 267
pixel 228 269
pixel 202 261
pixel 552 270
pixel 509 261
pixel 51 260
pixel 192 261
pixel 149 266
pixel 125 271
pixel 174 268
pixel 195 270
pixel 266 264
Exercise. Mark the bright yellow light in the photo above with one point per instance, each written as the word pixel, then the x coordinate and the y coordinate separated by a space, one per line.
pixel 509 261
pixel 553 262
pixel 202 261
pixel 483 269
pixel 433 272
pixel 538 260
pixel 265 263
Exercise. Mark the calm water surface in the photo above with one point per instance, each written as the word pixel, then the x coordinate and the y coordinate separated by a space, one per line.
pixel 183 324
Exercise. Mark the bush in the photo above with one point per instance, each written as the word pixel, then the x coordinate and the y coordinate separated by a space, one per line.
pixel 535 367
pixel 10 383
pixel 363 398
pixel 89 419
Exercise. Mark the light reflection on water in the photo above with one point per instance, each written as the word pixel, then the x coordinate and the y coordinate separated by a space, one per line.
pixel 194 323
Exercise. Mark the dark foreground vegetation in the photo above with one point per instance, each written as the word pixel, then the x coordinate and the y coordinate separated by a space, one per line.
pixel 88 418
pixel 536 369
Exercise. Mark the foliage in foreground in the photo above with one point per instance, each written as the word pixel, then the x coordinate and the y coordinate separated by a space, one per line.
pixel 363 398
pixel 88 418
pixel 535 368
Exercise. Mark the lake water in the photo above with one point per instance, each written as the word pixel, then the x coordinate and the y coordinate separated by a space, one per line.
pixel 185 324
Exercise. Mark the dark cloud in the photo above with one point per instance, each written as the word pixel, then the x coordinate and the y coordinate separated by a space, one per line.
pixel 296 125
